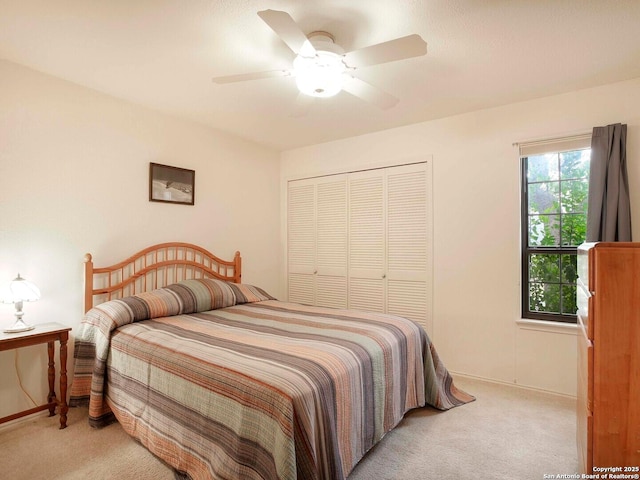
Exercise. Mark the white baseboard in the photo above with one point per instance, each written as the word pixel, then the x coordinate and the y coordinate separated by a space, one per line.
pixel 509 384
pixel 26 418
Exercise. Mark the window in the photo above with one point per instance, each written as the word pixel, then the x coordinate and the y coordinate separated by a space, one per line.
pixel 555 184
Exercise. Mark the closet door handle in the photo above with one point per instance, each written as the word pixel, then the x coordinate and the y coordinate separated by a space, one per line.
pixel 384 275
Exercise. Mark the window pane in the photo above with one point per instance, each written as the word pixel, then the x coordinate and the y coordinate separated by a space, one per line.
pixel 541 168
pixel 544 297
pixel 569 268
pixel 555 200
pixel 575 164
pixel 544 197
pixel 574 196
pixel 544 268
pixel 544 230
pixel 574 229
pixel 569 304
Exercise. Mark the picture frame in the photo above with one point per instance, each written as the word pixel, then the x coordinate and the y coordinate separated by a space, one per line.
pixel 170 184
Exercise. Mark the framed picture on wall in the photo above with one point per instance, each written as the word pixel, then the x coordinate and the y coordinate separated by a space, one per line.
pixel 171 184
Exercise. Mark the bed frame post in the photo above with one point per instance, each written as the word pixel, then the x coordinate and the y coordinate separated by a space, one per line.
pixel 237 268
pixel 88 282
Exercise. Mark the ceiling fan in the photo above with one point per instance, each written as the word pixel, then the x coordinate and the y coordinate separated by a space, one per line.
pixel 322 68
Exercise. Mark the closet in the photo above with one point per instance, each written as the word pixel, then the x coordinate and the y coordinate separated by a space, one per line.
pixel 363 240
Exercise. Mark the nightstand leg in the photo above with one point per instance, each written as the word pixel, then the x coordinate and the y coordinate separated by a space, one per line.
pixel 64 408
pixel 51 398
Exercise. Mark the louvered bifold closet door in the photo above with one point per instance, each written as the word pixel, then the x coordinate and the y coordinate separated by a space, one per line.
pixel 409 243
pixel 363 240
pixel 331 241
pixel 301 238
pixel 367 248
pixel 317 241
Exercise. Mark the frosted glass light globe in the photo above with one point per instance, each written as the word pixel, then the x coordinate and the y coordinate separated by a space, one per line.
pixel 319 76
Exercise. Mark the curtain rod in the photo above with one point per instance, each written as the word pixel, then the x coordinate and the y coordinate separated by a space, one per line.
pixel 542 141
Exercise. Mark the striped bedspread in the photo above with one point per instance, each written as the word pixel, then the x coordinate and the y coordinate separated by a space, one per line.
pixel 257 388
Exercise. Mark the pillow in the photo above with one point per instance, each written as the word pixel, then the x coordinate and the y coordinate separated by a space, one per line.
pixel 187 296
pixel 249 294
pixel 156 303
pixel 202 294
pixel 110 315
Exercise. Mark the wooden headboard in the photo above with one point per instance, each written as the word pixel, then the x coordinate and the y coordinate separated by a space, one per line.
pixel 155 267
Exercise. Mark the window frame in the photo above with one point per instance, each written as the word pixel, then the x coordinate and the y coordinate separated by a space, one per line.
pixel 528 150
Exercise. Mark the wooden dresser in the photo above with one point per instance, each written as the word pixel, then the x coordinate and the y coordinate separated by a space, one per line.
pixel 608 408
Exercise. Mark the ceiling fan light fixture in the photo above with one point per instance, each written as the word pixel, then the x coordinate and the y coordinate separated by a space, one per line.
pixel 323 69
pixel 319 76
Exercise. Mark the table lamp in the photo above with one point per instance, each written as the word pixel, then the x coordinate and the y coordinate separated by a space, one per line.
pixel 18 291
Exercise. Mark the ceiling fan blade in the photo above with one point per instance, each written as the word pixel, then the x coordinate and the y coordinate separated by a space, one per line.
pixel 289 31
pixel 398 49
pixel 251 76
pixel 365 91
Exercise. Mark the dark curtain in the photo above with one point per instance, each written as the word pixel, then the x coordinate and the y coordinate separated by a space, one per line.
pixel 609 213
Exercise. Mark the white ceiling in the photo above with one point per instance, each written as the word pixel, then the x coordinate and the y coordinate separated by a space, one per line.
pixel 481 53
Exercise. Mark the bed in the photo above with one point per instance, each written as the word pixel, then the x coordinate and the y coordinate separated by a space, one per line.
pixel 222 381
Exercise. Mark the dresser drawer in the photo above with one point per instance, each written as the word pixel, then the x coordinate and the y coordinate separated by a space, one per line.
pixel 585 301
pixel 584 441
pixel 585 366
pixel 584 407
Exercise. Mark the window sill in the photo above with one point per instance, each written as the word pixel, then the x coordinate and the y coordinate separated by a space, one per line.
pixel 549 327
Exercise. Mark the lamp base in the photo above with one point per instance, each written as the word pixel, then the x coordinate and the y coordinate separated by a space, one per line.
pixel 19 326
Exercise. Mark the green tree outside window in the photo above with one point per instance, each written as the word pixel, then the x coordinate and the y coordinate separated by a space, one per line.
pixel 555 189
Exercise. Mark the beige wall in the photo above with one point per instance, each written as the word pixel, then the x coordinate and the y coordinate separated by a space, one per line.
pixel 477 222
pixel 74 170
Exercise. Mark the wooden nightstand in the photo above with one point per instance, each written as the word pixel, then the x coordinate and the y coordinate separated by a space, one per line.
pixel 46 333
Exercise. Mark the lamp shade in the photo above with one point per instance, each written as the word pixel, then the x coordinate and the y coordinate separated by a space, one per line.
pixel 19 290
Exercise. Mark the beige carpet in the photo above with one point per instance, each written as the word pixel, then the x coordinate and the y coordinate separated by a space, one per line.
pixel 507 433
